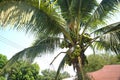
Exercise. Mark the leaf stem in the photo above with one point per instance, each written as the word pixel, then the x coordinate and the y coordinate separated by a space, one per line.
pixel 56 57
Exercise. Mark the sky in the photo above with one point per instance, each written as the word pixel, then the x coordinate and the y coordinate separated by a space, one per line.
pixel 12 41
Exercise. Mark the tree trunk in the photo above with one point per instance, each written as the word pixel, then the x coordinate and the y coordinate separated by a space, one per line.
pixel 80 74
pixel 79 77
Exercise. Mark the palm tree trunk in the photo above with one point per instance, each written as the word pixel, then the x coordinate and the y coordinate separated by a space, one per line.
pixel 78 73
pixel 79 68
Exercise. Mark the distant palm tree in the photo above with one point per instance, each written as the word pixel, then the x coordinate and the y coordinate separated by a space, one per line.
pixel 71 24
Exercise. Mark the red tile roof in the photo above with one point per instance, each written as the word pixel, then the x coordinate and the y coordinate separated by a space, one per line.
pixel 108 72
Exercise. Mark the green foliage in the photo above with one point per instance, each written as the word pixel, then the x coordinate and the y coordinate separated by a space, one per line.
pixel 2 78
pixel 50 75
pixel 65 75
pixel 97 61
pixel 3 60
pixel 64 44
pixel 23 71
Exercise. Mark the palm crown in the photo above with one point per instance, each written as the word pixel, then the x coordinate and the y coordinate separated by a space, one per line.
pixel 81 23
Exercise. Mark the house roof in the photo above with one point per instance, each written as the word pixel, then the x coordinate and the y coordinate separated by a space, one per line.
pixel 108 72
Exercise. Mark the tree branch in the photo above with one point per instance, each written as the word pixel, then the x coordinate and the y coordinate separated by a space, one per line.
pixel 56 57
pixel 91 42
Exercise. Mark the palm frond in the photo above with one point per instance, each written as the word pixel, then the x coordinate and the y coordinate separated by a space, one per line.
pixel 63 61
pixel 101 46
pixel 29 17
pixel 64 6
pixel 61 66
pixel 43 19
pixel 105 8
pixel 47 43
pixel 75 8
pixel 102 11
pixel 115 27
pixel 114 41
pixel 82 8
pixel 108 38
pixel 40 46
pixel 29 54
pixel 109 42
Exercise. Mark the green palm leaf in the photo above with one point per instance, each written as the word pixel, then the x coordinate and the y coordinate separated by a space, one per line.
pixel 115 27
pixel 102 11
pixel 75 8
pixel 29 15
pixel 41 46
pixel 109 37
pixel 61 66
pixel 109 42
pixel 34 18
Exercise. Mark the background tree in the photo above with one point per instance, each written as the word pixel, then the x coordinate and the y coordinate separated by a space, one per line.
pixel 97 61
pixel 2 78
pixel 50 75
pixel 82 23
pixel 3 61
pixel 23 71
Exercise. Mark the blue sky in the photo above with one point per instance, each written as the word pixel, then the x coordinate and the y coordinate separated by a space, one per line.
pixel 12 41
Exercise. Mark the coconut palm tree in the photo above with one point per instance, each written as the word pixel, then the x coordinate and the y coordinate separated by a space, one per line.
pixel 71 24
